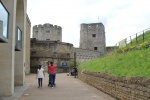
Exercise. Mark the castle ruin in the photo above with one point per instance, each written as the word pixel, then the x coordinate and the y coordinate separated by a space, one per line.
pixel 92 37
pixel 47 32
pixel 47 45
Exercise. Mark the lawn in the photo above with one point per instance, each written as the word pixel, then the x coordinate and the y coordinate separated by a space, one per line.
pixel 132 63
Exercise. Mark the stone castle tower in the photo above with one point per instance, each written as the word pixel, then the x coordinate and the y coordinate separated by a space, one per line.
pixel 47 32
pixel 92 37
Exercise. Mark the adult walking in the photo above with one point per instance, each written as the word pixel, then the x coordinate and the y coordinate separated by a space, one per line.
pixel 40 75
pixel 52 73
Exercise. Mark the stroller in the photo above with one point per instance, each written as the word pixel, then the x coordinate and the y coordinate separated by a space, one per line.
pixel 49 82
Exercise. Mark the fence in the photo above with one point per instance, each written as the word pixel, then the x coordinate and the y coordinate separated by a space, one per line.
pixel 134 39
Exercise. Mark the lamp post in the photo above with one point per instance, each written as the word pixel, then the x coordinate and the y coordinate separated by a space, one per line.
pixel 74 59
pixel 55 57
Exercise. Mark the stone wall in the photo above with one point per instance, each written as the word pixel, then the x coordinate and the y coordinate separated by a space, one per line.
pixel 47 32
pixel 92 37
pixel 121 88
pixel 86 55
pixel 44 51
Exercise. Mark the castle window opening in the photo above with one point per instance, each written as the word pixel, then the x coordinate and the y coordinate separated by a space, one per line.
pixel 36 31
pixel 93 35
pixel 47 39
pixel 95 48
pixel 47 31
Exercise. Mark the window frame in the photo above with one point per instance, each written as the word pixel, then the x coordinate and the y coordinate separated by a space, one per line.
pixel 17 46
pixel 4 39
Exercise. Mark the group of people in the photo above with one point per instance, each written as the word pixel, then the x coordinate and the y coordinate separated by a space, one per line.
pixel 73 72
pixel 52 74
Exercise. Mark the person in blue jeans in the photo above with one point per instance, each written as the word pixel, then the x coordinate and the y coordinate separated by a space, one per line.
pixel 52 73
pixel 40 75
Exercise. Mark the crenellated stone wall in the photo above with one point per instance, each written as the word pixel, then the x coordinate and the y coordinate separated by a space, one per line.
pixel 47 32
pixel 92 37
pixel 121 88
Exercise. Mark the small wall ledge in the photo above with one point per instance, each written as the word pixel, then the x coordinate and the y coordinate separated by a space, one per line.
pixel 122 88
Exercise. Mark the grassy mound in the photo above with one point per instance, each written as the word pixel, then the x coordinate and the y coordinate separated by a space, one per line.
pixel 133 63
pixel 132 60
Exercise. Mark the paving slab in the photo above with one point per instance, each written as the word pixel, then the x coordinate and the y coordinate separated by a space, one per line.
pixel 67 88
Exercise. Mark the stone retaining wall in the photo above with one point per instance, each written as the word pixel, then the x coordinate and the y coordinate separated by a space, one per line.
pixel 122 88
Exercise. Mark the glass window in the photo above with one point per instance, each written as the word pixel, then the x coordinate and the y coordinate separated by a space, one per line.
pixel 3 23
pixel 18 39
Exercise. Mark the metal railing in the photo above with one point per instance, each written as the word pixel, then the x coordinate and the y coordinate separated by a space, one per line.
pixel 134 39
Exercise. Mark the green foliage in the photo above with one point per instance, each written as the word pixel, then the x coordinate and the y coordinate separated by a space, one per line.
pixel 133 63
pixel 140 39
pixel 71 63
pixel 132 60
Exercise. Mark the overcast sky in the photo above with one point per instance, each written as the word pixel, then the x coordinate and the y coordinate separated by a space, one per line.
pixel 121 18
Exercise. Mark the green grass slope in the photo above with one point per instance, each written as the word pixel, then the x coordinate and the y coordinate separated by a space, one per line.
pixel 129 64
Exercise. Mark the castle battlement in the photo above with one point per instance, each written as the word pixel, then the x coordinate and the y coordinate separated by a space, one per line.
pixel 47 26
pixel 47 31
pixel 40 26
pixel 35 27
pixel 88 25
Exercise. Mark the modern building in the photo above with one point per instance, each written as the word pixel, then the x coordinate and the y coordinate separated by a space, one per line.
pixel 28 31
pixel 13 34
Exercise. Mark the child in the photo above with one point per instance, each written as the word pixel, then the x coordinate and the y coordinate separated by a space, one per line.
pixel 40 75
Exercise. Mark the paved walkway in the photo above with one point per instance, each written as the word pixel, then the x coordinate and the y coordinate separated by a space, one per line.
pixel 67 88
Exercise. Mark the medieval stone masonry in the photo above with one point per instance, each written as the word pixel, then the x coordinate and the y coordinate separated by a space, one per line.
pixel 47 32
pixel 92 37
pixel 47 45
pixel 121 88
pixel 44 51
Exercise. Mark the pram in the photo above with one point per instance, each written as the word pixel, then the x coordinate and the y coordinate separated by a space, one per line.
pixel 49 82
